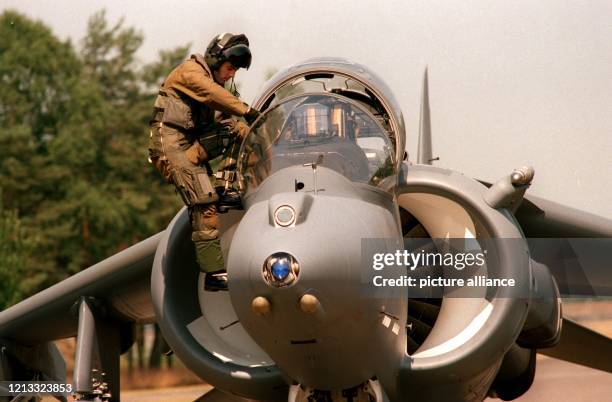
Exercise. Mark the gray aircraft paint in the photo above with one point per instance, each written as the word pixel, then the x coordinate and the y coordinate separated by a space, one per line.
pixel 469 344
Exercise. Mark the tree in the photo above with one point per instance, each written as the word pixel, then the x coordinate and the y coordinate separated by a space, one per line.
pixel 15 247
pixel 37 77
pixel 73 140
pixel 111 189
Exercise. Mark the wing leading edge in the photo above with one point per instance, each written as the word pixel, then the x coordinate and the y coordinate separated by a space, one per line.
pixel 122 281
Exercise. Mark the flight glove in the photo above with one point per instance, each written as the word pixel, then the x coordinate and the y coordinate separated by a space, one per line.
pixel 251 115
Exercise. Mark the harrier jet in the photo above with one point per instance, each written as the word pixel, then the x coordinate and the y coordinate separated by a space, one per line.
pixel 323 171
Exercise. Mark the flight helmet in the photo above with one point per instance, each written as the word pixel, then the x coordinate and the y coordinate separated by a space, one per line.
pixel 228 47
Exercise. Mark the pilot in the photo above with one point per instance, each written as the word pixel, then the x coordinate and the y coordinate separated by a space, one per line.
pixel 191 125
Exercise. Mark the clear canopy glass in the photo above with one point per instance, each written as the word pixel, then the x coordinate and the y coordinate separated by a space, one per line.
pixel 300 129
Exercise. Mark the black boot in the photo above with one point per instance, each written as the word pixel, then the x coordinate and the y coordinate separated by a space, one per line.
pixel 215 281
pixel 229 198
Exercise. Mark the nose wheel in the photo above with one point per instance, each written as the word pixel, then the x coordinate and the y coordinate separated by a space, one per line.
pixel 369 391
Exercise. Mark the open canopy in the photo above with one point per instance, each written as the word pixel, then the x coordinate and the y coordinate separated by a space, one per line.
pixel 334 131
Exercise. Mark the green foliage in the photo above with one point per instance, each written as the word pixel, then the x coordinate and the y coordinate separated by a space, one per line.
pixel 108 55
pixel 73 144
pixel 37 74
pixel 15 248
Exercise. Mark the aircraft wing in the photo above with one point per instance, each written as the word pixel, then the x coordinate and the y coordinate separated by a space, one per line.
pixel 574 244
pixel 574 269
pixel 581 345
pixel 543 218
pixel 123 280
pixel 117 290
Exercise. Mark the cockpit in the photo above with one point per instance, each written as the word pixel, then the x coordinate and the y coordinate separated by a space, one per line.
pixel 328 129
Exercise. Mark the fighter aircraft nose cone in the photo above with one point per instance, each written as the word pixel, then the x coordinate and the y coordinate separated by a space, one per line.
pixel 280 269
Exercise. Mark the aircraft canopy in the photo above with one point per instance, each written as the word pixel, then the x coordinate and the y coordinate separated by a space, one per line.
pixel 302 129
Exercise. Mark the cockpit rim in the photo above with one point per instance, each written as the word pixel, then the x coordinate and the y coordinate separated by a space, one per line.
pixel 344 67
pixel 258 123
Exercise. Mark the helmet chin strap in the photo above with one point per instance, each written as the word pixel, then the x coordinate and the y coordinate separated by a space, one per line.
pixel 233 89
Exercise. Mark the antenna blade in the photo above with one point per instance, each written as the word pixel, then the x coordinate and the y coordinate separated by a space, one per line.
pixel 425 153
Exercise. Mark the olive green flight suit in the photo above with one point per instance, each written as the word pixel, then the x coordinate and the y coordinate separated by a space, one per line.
pixel 189 127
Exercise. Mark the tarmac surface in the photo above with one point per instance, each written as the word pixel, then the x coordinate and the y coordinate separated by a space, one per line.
pixel 555 380
pixel 178 394
pixel 560 381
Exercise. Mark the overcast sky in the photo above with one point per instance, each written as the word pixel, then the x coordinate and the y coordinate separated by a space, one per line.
pixel 511 82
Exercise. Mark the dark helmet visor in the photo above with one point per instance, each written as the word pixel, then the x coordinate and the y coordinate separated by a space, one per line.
pixel 238 55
